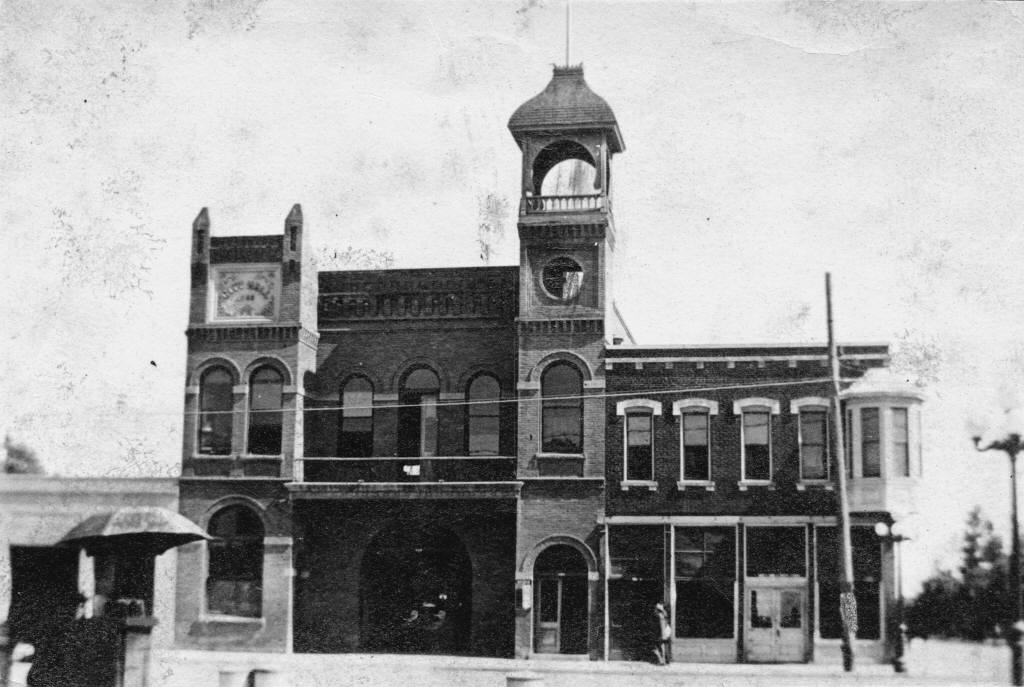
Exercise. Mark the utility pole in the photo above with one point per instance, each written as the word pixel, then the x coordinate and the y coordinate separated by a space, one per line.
pixel 847 601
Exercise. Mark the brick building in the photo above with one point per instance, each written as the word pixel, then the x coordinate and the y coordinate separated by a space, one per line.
pixel 480 460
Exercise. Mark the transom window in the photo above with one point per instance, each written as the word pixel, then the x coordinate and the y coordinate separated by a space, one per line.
pixel 562 409
pixel 216 402
pixel 266 387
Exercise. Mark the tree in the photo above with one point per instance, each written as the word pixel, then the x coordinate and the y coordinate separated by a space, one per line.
pixel 20 459
pixel 970 603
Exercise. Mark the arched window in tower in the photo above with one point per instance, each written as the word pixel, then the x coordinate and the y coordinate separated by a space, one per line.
pixel 265 422
pixel 216 403
pixel 356 432
pixel 234 580
pixel 564 168
pixel 484 416
pixel 417 416
pixel 562 409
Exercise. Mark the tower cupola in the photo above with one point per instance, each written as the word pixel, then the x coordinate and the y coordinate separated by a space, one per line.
pixel 567 134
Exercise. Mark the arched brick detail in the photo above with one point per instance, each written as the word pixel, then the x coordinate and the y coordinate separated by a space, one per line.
pixel 196 375
pixel 234 500
pixel 274 362
pixel 561 356
pixel 475 371
pixel 407 367
pixel 526 567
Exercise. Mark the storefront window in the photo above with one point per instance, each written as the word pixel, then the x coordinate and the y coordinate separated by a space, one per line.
pixel 705 577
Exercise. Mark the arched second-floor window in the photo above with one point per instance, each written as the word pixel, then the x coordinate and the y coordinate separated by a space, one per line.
pixel 266 387
pixel 355 438
pixel 234 580
pixel 484 421
pixel 417 416
pixel 562 409
pixel 216 403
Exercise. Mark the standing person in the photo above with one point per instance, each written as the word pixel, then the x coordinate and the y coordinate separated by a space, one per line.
pixel 663 628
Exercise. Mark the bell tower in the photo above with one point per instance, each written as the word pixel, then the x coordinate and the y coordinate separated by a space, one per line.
pixel 567 135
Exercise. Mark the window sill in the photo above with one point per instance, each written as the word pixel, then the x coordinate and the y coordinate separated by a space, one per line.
pixel 256 456
pixel 706 484
pixel 825 484
pixel 745 484
pixel 648 484
pixel 231 619
pixel 558 456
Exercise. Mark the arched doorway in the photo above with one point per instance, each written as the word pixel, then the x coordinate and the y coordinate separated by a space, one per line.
pixel 415 592
pixel 561 601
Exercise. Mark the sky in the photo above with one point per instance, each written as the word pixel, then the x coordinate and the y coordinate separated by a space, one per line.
pixel 766 144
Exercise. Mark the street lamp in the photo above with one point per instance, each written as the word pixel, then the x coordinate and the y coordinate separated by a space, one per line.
pixel 895 533
pixel 1008 439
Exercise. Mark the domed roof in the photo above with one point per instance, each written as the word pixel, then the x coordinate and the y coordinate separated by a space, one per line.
pixel 567 103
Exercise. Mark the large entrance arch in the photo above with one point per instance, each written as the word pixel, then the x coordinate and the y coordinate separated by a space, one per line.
pixel 416 591
pixel 561 603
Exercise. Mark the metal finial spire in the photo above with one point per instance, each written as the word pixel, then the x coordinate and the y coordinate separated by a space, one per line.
pixel 568 25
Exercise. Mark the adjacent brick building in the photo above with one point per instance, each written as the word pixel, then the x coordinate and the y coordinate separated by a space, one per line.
pixel 482 461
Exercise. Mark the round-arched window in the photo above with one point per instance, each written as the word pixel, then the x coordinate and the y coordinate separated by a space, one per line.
pixel 234 582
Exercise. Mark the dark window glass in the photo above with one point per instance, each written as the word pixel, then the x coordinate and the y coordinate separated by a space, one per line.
pixel 696 445
pixel 757 445
pixel 562 412
pixel 548 598
pixel 265 421
pixel 234 582
pixel 900 442
pixel 639 463
pixel 870 446
pixel 776 551
pixel 356 438
pixel 705 573
pixel 484 416
pixel 417 420
pixel 813 444
pixel 216 402
pixel 636 552
pixel 848 443
pixel 867 572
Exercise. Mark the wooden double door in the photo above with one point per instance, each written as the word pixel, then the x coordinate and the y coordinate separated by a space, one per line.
pixel 776 623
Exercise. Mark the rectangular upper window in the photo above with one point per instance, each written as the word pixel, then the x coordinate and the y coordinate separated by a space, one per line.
pixel 639 446
pixel 900 442
pixel 814 454
pixel 757 457
pixel 695 426
pixel 870 443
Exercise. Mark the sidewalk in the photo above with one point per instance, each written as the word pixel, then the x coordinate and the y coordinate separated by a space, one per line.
pixel 933 664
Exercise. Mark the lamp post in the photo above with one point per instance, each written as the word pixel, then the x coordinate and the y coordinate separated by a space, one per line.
pixel 1009 441
pixel 894 533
